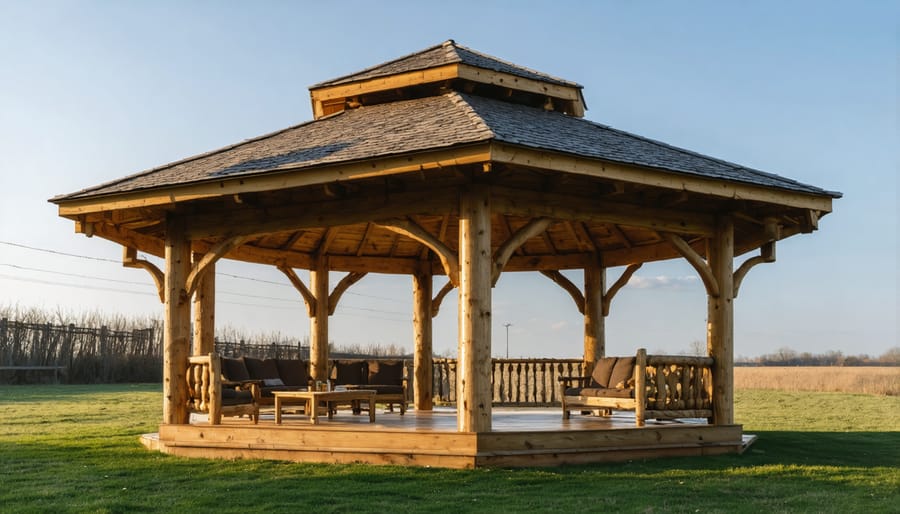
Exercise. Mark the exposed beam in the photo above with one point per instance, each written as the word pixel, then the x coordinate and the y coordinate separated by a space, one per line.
pixel 365 237
pixel 568 286
pixel 619 284
pixel 695 260
pixel 505 251
pixel 413 230
pixel 343 285
pixel 308 297
pixel 130 260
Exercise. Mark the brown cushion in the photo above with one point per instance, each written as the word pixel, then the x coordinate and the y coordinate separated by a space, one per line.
pixel 293 372
pixel 234 370
pixel 260 369
pixel 623 370
pixel 350 372
pixel 233 397
pixel 602 370
pixel 386 373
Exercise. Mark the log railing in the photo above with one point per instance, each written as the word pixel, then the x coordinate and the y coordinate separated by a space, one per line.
pixel 678 386
pixel 522 382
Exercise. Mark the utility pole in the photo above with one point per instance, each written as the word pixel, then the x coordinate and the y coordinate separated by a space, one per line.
pixel 507 325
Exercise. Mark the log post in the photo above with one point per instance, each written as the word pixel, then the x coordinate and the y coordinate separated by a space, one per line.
pixel 178 323
pixel 594 323
pixel 422 361
pixel 318 322
pixel 720 322
pixel 205 311
pixel 473 401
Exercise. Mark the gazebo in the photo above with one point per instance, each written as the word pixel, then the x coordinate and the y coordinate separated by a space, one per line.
pixel 445 162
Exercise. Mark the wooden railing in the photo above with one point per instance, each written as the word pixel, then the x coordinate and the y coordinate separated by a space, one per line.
pixel 678 386
pixel 523 382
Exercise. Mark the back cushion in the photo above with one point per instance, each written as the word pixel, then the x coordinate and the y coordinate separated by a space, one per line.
pixel 260 369
pixel 386 372
pixel 293 372
pixel 603 368
pixel 622 373
pixel 350 372
pixel 234 370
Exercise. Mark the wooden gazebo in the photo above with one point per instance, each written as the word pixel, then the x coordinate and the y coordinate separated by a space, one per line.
pixel 445 162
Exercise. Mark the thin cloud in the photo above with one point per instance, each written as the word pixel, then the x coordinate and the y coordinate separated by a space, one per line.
pixel 663 282
pixel 559 325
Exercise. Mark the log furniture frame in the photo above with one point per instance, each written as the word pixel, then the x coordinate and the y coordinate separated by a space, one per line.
pixel 205 387
pixel 665 387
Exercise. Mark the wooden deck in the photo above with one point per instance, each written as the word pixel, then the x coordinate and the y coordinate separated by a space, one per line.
pixel 520 437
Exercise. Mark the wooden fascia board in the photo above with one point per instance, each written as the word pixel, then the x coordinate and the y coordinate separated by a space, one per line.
pixel 277 179
pixel 510 154
pixel 362 87
pixel 497 78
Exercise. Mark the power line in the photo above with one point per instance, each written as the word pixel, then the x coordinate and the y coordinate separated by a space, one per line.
pixel 56 252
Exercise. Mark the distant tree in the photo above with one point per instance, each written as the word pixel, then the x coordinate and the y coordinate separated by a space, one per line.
pixel 892 356
pixel 697 347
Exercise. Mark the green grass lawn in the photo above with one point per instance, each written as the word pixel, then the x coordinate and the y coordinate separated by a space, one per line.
pixel 76 449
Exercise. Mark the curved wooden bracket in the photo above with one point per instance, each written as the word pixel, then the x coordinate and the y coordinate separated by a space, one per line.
pixel 568 285
pixel 345 283
pixel 695 260
pixel 411 229
pixel 619 284
pixel 766 254
pixel 215 253
pixel 438 298
pixel 298 284
pixel 130 260
pixel 502 255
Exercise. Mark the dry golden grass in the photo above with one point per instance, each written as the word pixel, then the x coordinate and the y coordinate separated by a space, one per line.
pixel 851 379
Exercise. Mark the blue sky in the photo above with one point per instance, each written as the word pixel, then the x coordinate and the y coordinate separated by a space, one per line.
pixel 92 91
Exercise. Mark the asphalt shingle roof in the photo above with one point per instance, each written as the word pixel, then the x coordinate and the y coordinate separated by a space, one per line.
pixel 448 52
pixel 430 123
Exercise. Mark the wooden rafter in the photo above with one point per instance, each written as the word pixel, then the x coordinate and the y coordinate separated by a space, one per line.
pixel 621 235
pixel 130 260
pixel 583 235
pixel 365 237
pixel 291 241
pixel 695 260
pixel 568 286
pixel 327 239
pixel 618 285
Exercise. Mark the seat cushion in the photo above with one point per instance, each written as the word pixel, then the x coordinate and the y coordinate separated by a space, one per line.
pixel 603 392
pixel 293 372
pixel 235 397
pixel 235 370
pixel 603 368
pixel 622 372
pixel 386 373
pixel 350 372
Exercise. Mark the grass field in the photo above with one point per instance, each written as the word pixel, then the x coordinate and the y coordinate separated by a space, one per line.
pixel 75 449
pixel 849 379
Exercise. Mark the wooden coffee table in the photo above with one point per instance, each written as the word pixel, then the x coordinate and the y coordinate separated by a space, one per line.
pixel 329 397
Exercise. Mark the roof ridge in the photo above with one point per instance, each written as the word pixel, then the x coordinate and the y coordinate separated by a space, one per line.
pixel 187 159
pixel 461 100
pixel 379 65
pixel 509 63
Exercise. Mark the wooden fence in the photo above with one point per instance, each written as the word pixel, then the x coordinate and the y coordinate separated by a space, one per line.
pixel 515 382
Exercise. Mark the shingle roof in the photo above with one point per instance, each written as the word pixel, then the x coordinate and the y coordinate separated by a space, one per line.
pixel 448 52
pixel 429 123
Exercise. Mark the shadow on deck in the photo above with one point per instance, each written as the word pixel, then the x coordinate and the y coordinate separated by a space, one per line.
pixel 520 437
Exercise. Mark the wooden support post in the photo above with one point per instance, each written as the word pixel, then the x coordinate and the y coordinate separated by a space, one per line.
pixel 318 322
pixel 205 311
pixel 178 323
pixel 720 322
pixel 423 381
pixel 594 323
pixel 474 396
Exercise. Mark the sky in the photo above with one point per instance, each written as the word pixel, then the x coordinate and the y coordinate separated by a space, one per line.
pixel 93 91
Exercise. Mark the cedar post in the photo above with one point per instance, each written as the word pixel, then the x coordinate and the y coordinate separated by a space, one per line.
pixel 205 310
pixel 475 263
pixel 423 380
pixel 318 323
pixel 594 323
pixel 178 323
pixel 720 322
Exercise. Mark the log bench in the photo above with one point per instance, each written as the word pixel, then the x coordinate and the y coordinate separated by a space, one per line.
pixel 653 386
